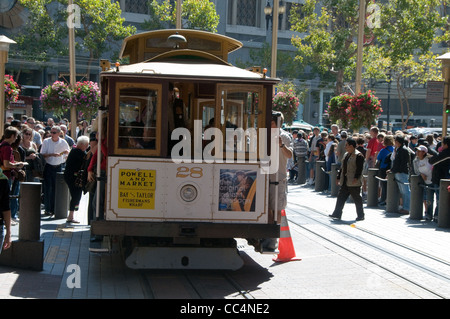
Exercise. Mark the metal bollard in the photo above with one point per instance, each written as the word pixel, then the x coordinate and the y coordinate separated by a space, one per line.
pixel 393 194
pixel 444 204
pixel 416 203
pixel 333 179
pixel 301 165
pixel 62 197
pixel 372 187
pixel 321 178
pixel 30 211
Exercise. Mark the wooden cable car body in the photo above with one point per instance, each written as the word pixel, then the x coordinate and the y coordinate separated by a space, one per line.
pixel 179 201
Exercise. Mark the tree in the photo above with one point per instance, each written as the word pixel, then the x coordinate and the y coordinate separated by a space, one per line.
pixel 402 41
pixel 288 66
pixel 41 37
pixel 329 41
pixel 101 26
pixel 196 14
pixel 408 31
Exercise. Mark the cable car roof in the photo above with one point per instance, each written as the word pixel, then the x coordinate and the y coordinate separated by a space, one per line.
pixel 146 45
pixel 194 69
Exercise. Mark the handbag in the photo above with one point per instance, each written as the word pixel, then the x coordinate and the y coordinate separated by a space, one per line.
pixel 80 178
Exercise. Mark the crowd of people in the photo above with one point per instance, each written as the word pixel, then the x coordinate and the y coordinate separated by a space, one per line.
pixel 399 152
pixel 36 151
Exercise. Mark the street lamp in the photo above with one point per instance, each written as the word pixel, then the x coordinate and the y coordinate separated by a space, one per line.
pixel 269 16
pixel 274 17
pixel 4 49
pixel 446 75
pixel 268 13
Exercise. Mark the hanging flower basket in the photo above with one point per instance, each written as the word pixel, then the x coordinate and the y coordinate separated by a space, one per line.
pixel 364 111
pixel 12 90
pixel 354 112
pixel 339 109
pixel 86 98
pixel 286 103
pixel 56 98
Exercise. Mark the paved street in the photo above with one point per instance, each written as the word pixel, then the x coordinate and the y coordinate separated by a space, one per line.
pixel 329 267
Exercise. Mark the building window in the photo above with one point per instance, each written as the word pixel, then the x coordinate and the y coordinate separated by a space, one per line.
pixel 136 6
pixel 246 12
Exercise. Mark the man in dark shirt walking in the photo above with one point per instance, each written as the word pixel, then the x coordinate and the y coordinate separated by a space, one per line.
pixel 350 179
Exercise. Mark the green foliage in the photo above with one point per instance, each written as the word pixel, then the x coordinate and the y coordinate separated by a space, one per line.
pixel 197 14
pixel 102 24
pixel 44 34
pixel 41 37
pixel 407 27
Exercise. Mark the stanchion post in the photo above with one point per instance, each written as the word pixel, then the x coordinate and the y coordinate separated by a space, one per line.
pixel 372 187
pixel 333 179
pixel 28 251
pixel 416 203
pixel 321 178
pixel 30 211
pixel 62 197
pixel 444 204
pixel 393 194
pixel 301 165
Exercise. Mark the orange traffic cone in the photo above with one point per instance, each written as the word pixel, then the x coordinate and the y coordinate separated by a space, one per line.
pixel 285 245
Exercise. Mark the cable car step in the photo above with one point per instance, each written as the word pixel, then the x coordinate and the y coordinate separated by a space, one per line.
pixel 184 258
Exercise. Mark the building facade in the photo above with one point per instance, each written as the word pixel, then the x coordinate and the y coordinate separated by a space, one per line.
pixel 244 20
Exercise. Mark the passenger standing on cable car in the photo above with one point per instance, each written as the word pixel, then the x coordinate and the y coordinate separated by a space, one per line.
pixel 92 168
pixel 280 178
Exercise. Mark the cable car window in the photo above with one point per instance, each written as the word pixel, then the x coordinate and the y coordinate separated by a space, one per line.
pixel 240 109
pixel 138 119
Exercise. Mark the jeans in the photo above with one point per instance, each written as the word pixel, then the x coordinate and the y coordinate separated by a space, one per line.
pixel 402 180
pixel 434 189
pixel 14 202
pixel 49 186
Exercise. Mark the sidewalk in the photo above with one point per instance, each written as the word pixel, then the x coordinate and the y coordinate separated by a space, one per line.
pixel 64 244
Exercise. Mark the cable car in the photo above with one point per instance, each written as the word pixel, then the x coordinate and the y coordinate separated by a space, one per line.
pixel 186 160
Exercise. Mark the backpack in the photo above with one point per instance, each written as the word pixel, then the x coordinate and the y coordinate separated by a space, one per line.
pixel 38 165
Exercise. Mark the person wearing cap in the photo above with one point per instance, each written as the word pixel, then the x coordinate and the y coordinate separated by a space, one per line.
pixel 400 167
pixel 423 168
pixel 424 142
pixel 441 167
